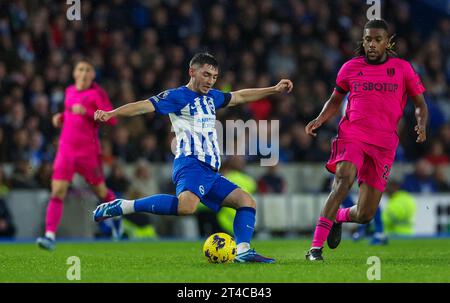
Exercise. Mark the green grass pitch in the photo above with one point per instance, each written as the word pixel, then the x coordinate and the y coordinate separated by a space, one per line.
pixel 424 260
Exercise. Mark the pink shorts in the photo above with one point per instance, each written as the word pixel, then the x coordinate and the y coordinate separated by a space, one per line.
pixel 373 163
pixel 89 166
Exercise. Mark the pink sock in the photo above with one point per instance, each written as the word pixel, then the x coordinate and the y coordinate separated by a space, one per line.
pixel 54 214
pixel 110 195
pixel 322 230
pixel 343 215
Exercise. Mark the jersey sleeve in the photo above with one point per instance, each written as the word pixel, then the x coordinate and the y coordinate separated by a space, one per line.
pixel 169 101
pixel 342 85
pixel 221 99
pixel 413 84
pixel 104 103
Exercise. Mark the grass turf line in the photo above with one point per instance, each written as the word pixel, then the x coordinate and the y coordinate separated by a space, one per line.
pixel 424 260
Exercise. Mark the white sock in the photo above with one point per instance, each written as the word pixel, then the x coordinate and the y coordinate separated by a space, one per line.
pixel 242 247
pixel 50 234
pixel 127 206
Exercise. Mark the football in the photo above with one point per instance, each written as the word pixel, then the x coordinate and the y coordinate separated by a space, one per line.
pixel 220 248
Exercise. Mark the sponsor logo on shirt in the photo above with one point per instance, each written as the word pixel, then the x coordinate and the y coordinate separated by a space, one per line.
pixel 375 86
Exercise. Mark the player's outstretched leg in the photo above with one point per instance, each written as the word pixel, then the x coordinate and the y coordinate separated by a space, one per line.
pixel 160 204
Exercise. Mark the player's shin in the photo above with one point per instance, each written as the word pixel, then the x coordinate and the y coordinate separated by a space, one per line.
pixel 53 217
pixel 244 226
pixel 160 204
pixel 323 228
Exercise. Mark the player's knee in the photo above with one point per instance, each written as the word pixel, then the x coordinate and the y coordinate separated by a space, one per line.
pixel 187 206
pixel 59 193
pixel 248 201
pixel 245 200
pixel 344 179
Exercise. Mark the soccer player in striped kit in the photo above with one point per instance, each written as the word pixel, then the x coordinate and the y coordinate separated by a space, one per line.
pixel 192 111
pixel 378 84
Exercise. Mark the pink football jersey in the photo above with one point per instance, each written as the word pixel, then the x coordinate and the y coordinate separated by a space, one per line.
pixel 79 133
pixel 378 95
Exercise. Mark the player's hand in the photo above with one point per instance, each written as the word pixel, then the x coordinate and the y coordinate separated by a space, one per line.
pixel 421 133
pixel 102 116
pixel 78 109
pixel 56 120
pixel 284 86
pixel 312 126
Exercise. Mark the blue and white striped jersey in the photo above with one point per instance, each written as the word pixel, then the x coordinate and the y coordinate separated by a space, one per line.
pixel 193 116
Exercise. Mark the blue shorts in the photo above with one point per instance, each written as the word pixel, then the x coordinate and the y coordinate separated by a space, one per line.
pixel 199 178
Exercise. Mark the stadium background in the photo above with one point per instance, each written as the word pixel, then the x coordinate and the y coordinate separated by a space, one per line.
pixel 140 48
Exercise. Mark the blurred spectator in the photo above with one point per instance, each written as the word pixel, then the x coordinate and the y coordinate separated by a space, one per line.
pixel 7 228
pixel 149 148
pixel 437 154
pixel 121 145
pixel 399 212
pixel 3 146
pixel 442 183
pixel 22 177
pixel 444 137
pixel 140 225
pixel 117 180
pixel 4 186
pixel 19 147
pixel 107 153
pixel 271 181
pixel 144 184
pixel 43 176
pixel 422 179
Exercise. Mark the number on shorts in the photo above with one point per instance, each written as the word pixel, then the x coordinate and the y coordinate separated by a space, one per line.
pixel 386 172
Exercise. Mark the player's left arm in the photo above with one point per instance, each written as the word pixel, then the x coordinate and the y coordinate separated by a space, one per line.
pixel 104 103
pixel 421 113
pixel 252 94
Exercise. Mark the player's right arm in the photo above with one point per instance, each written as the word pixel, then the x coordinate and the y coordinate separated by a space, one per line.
pixel 333 104
pixel 330 109
pixel 127 110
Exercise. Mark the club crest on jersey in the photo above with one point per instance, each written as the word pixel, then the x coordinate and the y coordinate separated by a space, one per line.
pixel 201 189
pixel 163 95
pixel 160 96
pixel 391 72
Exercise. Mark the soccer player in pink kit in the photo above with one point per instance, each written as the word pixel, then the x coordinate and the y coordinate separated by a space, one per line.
pixel 378 84
pixel 79 148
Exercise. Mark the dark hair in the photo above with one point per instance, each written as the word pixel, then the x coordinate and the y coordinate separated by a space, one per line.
pixel 381 24
pixel 83 60
pixel 204 58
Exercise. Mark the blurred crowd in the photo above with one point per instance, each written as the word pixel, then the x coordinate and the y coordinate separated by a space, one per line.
pixel 140 48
